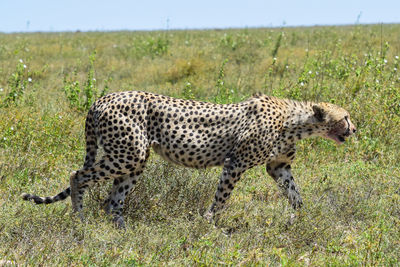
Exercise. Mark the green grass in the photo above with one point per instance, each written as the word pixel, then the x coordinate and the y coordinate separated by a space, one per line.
pixel 351 193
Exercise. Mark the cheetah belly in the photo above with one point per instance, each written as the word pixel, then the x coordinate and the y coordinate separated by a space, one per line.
pixel 189 152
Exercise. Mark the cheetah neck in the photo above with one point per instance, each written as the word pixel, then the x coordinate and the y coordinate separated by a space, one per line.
pixel 300 121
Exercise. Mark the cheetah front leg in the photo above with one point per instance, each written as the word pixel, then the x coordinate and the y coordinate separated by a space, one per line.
pixel 230 175
pixel 281 172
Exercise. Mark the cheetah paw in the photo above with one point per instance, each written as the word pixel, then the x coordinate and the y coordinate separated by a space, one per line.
pixel 295 199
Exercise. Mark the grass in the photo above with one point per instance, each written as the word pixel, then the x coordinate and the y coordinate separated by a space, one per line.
pixel 351 193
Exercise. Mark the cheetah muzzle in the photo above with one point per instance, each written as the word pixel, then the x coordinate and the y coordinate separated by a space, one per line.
pixel 261 130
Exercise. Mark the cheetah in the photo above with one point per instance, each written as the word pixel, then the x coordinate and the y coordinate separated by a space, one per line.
pixel 195 134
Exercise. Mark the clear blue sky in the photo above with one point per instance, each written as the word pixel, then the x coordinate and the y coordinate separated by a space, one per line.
pixel 99 15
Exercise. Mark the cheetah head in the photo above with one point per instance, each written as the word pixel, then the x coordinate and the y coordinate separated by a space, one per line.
pixel 334 122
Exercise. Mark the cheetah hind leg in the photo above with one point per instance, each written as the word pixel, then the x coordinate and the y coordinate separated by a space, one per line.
pixel 76 194
pixel 82 179
pixel 114 204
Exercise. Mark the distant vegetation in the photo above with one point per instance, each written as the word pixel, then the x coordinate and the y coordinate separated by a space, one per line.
pixel 351 193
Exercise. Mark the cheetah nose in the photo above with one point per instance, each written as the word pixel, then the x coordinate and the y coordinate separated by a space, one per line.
pixel 354 130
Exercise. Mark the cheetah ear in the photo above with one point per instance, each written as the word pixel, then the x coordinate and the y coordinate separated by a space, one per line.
pixel 319 113
pixel 257 95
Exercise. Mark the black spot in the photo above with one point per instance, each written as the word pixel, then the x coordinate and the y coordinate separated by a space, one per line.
pixel 280 166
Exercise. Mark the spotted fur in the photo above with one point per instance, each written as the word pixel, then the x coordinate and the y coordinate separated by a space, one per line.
pixel 261 130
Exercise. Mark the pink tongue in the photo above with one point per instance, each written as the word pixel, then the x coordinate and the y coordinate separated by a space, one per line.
pixel 335 138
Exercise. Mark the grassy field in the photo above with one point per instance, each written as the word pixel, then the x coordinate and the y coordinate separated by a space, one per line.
pixel 351 193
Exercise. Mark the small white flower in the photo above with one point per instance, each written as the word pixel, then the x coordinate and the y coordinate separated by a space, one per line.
pixel 5 138
pixel 60 117
pixel 30 79
pixel 301 84
pixel 365 55
pixel 306 49
pixel 1 89
pixel 395 69
pixel 309 72
pixel 377 81
pixel 24 66
pixel 12 128
pixel 396 57
pixel 20 60
pixel 274 58
pixel 188 84
pixel 15 94
pixel 186 42
pixel 316 73
pixel 385 61
pixel 94 79
pixel 286 66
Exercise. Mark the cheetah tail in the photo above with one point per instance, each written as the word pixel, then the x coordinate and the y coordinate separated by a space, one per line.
pixel 47 200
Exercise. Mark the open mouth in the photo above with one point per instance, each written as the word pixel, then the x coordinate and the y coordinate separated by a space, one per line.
pixel 339 139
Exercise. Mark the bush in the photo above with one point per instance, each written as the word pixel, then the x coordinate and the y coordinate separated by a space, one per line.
pixel 82 98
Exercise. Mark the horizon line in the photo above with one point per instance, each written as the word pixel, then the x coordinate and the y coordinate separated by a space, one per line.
pixel 200 28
